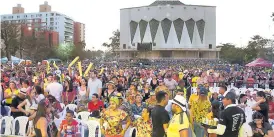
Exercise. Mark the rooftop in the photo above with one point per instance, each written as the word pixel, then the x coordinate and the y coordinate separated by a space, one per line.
pixel 166 2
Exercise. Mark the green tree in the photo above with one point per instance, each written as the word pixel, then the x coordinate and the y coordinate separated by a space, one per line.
pixel 114 41
pixel 10 34
pixel 64 51
pixel 256 48
pixel 231 53
pixel 79 50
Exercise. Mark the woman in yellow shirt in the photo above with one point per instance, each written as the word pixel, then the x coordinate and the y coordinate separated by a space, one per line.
pixel 10 93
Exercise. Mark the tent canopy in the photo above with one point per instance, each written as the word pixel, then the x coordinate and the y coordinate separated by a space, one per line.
pixel 259 62
pixel 13 59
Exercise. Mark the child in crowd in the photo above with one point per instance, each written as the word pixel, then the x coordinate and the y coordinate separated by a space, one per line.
pixel 69 126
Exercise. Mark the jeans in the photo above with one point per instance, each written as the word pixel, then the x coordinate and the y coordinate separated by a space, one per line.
pixel 199 130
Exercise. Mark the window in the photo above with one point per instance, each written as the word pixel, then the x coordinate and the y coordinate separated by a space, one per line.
pixel 154 44
pixel 55 23
pixel 52 14
pixel 210 46
pixel 124 46
pixel 46 15
pixel 32 16
pixel 18 17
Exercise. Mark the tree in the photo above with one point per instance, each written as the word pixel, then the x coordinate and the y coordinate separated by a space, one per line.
pixel 256 48
pixel 10 33
pixel 231 53
pixel 79 50
pixel 36 48
pixel 64 51
pixel 114 41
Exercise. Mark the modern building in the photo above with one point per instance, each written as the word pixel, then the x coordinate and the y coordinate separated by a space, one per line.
pixel 168 29
pixel 79 32
pixel 50 20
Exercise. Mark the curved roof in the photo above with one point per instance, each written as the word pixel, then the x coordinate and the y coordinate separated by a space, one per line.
pixel 166 2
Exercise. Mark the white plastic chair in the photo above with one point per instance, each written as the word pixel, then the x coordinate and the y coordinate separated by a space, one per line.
pixel 8 124
pixel 8 109
pixel 22 120
pixel 92 126
pixel 58 122
pixel 72 107
pixel 136 116
pixel 62 105
pixel 129 132
pixel 84 115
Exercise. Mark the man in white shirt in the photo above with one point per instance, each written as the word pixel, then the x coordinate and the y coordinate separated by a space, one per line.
pixel 94 85
pixel 55 89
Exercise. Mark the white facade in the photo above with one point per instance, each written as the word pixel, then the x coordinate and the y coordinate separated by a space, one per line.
pixel 50 20
pixel 179 21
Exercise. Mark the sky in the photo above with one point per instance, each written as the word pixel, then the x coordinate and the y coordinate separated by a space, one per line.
pixel 237 20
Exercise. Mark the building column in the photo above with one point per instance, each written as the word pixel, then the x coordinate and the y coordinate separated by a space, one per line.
pixel 218 53
pixel 198 54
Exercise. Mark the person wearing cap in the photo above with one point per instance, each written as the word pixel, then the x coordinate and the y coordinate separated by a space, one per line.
pixel 15 112
pixel 180 89
pixel 179 123
pixel 28 102
pixel 110 91
pixel 199 109
pixel 162 87
pixel 231 119
pixel 151 101
pixel 193 97
pixel 125 106
pixel 31 132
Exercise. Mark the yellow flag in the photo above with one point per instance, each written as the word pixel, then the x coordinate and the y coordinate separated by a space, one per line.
pixel 80 68
pixel 102 70
pixel 48 68
pixel 73 61
pixel 87 70
pixel 54 64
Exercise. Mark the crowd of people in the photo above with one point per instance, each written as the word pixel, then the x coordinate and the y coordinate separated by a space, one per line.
pixel 167 98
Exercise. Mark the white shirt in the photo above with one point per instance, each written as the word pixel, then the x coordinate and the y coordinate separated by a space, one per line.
pixel 55 89
pixel 171 84
pixel 93 86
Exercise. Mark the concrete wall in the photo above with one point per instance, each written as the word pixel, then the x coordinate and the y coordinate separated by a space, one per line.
pixel 172 13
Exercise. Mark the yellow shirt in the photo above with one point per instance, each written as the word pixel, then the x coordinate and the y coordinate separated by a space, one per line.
pixel 199 109
pixel 194 81
pixel 175 126
pixel 8 91
pixel 193 98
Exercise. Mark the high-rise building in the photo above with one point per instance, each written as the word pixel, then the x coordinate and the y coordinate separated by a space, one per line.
pixel 18 9
pixel 168 29
pixel 79 32
pixel 50 20
pixel 45 7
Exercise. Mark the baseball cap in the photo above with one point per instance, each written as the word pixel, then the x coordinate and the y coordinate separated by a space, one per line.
pixel 230 95
pixel 203 91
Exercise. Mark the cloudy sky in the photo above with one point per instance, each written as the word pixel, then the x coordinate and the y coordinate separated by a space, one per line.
pixel 237 20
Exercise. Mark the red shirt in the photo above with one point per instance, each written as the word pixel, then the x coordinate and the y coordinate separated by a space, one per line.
pixel 92 106
pixel 271 110
pixel 69 129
